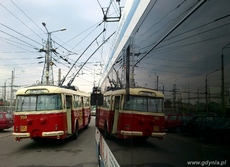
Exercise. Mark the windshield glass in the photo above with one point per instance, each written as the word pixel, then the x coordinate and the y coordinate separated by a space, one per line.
pixel 144 104
pixel 39 102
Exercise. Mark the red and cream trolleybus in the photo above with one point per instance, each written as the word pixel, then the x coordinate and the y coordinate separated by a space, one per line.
pixel 50 112
pixel 138 114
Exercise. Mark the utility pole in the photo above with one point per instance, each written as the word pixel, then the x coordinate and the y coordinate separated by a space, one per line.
pixel 47 74
pixel 157 82
pixel 59 75
pixel 4 93
pixel 11 91
pixel 206 90
pixel 132 53
pixel 222 80
pixel 174 95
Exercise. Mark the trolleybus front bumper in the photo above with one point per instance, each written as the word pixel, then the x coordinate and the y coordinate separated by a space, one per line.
pixel 19 136
pixel 137 133
pixel 159 135
pixel 131 133
pixel 54 133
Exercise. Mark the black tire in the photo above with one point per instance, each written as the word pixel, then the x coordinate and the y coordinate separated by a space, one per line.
pixel 75 135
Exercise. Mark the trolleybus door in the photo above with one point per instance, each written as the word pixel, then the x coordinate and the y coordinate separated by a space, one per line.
pixel 115 107
pixel 68 113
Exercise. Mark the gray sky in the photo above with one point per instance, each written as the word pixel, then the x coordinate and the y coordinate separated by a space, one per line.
pixel 22 35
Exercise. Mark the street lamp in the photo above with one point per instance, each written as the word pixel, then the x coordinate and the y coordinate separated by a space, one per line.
pixel 48 57
pixel 206 89
pixel 44 24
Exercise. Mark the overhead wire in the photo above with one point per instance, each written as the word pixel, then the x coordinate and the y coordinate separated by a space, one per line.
pixel 157 52
pixel 24 24
pixel 168 33
pixel 116 9
pixel 63 80
pixel 105 14
pixel 26 15
pixel 13 43
pixel 20 20
pixel 43 31
pixel 163 16
pixel 18 46
pixel 20 33
pixel 32 46
pixel 95 28
pixel 85 37
pixel 31 21
pixel 195 28
pixel 70 82
pixel 28 44
pixel 149 36
pixel 98 24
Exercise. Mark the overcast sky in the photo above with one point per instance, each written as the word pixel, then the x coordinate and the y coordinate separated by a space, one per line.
pixel 22 35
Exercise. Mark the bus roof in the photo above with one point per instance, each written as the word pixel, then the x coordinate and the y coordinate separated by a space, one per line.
pixel 136 91
pixel 48 89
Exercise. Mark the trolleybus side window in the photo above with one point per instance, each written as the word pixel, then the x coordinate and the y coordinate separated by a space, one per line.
pixel 68 102
pixel 86 101
pixel 77 101
pixel 106 102
pixel 117 102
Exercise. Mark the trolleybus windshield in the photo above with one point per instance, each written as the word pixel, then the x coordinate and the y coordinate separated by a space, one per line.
pixel 144 104
pixel 38 102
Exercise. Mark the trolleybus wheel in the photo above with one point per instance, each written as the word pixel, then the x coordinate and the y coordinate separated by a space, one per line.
pixel 76 132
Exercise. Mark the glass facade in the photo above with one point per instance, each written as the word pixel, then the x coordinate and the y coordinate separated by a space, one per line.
pixel 182 50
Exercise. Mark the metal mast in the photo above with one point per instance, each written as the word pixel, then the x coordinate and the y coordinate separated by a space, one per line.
pixel 47 74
